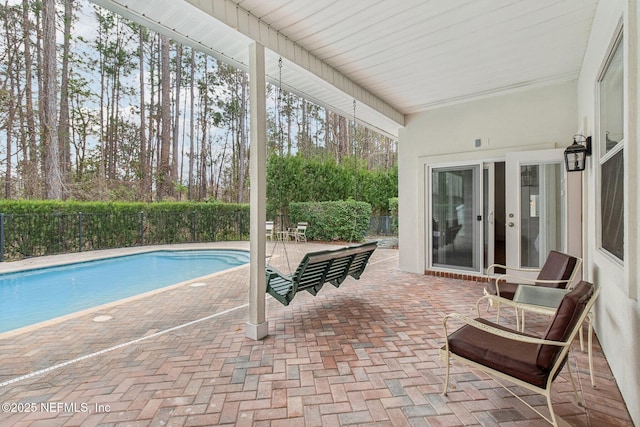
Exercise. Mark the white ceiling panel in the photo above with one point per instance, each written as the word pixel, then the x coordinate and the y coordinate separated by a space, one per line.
pixel 395 57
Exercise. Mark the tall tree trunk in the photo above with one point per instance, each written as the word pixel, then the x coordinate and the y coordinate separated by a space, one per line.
pixel 63 126
pixel 218 175
pixel 112 129
pixel 53 175
pixel 9 127
pixel 343 137
pixel 176 116
pixel 202 163
pixel 304 138
pixel 164 177
pixel 39 55
pixel 31 174
pixel 151 153
pixel 102 168
pixel 9 96
pixel 144 165
pixel 327 131
pixel 289 110
pixel 82 132
pixel 242 152
pixel 191 121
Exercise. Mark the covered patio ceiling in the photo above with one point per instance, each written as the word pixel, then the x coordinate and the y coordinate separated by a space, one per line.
pixel 394 57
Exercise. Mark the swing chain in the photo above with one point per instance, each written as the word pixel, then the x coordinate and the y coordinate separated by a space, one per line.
pixel 282 236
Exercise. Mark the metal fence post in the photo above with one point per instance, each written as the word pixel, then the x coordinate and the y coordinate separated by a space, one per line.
pixel 79 231
pixel 193 226
pixel 1 237
pixel 142 228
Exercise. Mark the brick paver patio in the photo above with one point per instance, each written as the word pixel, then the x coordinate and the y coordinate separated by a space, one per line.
pixel 364 354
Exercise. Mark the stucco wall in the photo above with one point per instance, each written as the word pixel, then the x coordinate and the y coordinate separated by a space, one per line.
pixel 543 116
pixel 536 118
pixel 617 311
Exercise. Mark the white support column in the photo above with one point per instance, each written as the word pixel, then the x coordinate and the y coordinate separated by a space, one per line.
pixel 257 327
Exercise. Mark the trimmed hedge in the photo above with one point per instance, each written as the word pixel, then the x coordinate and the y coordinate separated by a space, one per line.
pixel 329 221
pixel 35 228
pixel 297 179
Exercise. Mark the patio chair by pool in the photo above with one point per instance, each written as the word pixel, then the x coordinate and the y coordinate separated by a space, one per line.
pixel 318 268
pixel 299 233
pixel 523 359
pixel 269 230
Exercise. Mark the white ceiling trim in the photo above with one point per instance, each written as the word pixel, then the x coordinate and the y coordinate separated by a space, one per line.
pixel 394 57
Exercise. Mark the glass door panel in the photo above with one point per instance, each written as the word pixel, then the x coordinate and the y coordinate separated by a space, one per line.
pixel 535 207
pixel 456 226
pixel 540 218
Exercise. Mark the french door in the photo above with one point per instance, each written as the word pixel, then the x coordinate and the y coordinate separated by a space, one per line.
pixel 536 206
pixel 478 212
pixel 455 217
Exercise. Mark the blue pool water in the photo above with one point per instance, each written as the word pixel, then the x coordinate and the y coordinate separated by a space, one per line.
pixel 33 296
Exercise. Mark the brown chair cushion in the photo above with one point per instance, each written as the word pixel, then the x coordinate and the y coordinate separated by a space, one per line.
pixel 507 289
pixel 569 311
pixel 517 359
pixel 558 266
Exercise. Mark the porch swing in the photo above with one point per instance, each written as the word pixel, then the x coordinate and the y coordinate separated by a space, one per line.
pixel 316 268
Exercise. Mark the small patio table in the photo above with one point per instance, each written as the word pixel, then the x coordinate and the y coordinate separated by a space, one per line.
pixel 283 235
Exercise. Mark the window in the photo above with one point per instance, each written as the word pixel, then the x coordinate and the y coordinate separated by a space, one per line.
pixel 611 137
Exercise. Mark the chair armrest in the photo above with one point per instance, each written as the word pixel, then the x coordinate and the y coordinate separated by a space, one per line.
pixel 514 278
pixel 504 267
pixel 507 278
pixel 514 336
pixel 528 281
pixel 525 281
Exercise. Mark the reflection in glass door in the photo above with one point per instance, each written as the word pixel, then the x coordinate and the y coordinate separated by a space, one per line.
pixel 540 218
pixel 536 207
pixel 456 217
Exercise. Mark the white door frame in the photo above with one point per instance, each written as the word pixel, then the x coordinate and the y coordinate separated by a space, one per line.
pixel 478 233
pixel 514 161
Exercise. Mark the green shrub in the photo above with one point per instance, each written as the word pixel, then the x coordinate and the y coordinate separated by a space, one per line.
pixel 34 228
pixel 298 179
pixel 337 220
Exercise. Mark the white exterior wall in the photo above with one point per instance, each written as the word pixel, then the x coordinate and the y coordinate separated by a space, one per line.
pixel 545 117
pixel 542 117
pixel 617 311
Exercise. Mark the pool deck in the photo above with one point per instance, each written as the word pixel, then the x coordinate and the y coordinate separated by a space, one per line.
pixel 363 354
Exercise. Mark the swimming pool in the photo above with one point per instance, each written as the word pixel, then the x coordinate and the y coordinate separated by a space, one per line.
pixel 32 296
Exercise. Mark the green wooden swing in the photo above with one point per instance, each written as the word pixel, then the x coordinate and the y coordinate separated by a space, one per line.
pixel 318 268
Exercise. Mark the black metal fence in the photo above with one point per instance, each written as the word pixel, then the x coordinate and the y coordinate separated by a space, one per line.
pixel 383 226
pixel 28 235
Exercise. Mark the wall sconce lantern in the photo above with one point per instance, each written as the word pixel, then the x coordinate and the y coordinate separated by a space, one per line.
pixel 575 156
